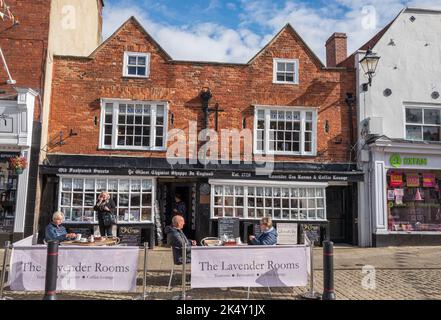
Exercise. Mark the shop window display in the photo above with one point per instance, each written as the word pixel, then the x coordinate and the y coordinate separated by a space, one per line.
pixel 133 198
pixel 8 194
pixel 414 200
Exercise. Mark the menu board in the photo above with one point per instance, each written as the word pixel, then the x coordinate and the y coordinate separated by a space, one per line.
pixel 312 231
pixel 130 236
pixel 229 227
pixel 287 233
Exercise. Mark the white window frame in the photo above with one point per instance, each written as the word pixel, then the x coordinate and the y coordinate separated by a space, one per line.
pixel 296 70
pixel 422 108
pixel 302 110
pixel 267 184
pixel 116 103
pixel 128 54
pixel 107 178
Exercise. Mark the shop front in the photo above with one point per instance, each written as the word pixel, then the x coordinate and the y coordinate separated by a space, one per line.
pixel 407 195
pixel 146 193
pixel 16 128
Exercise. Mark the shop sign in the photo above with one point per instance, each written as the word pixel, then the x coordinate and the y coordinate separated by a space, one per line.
pixel 218 174
pixel 79 268
pixel 249 266
pixel 396 161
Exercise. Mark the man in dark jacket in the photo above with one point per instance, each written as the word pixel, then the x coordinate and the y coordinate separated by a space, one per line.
pixel 176 239
pixel 268 236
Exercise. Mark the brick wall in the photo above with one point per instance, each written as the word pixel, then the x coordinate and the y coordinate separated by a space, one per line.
pixel 25 45
pixel 79 83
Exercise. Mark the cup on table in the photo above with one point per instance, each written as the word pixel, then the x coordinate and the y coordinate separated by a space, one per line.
pixel 78 237
pixel 238 240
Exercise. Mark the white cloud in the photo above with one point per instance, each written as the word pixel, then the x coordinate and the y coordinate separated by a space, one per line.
pixel 213 42
pixel 203 41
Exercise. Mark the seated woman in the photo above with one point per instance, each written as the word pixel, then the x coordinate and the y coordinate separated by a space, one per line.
pixel 55 231
pixel 268 236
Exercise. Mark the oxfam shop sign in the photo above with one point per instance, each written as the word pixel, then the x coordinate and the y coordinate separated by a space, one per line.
pixel 396 161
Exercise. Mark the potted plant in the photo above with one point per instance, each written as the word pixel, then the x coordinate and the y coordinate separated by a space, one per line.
pixel 18 164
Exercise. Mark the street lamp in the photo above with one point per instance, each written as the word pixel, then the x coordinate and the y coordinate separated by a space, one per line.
pixel 369 64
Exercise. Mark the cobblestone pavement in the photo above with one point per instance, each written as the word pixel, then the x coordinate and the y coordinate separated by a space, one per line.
pixel 403 273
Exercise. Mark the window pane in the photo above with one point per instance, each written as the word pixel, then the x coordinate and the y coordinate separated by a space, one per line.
pixel 142 61
pixel 431 116
pixel 141 71
pixel 290 77
pixel 431 133
pixel 290 67
pixel 281 77
pixel 66 199
pixel 108 140
pixel 67 184
pixel 132 70
pixel 280 66
pixel 77 200
pixel 413 133
pixel 132 60
pixel 414 116
pixel 78 184
pixel 123 200
pixel 146 214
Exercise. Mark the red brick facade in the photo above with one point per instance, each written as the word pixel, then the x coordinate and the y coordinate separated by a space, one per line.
pixel 25 46
pixel 79 83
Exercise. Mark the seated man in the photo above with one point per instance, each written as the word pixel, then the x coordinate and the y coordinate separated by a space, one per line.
pixel 55 231
pixel 268 236
pixel 176 239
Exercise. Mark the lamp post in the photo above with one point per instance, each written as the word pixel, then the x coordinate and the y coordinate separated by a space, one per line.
pixel 369 64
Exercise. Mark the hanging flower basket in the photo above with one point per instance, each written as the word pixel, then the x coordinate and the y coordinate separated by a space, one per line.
pixel 18 164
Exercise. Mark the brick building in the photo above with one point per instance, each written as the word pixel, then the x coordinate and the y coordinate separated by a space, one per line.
pixel 45 27
pixel 123 105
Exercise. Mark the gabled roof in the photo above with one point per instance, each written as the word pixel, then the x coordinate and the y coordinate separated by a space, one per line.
pixel 289 27
pixel 133 20
pixel 371 43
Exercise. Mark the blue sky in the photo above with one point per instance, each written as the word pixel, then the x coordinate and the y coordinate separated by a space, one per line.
pixel 234 30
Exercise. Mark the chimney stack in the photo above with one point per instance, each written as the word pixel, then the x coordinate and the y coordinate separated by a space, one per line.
pixel 336 49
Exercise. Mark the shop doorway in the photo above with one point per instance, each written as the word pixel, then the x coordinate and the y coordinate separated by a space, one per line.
pixel 168 191
pixel 339 213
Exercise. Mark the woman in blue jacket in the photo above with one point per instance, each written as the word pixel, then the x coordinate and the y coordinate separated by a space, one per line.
pixel 268 234
pixel 55 231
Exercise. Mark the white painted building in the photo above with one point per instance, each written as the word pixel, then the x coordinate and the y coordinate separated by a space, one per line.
pixel 399 138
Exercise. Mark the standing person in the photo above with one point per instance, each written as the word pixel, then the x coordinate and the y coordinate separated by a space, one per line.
pixel 105 208
pixel 55 231
pixel 181 208
pixel 268 236
pixel 176 239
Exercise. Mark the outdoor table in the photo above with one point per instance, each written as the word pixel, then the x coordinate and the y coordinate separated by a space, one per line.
pixel 97 243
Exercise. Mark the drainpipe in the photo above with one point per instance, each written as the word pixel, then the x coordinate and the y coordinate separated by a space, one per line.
pixel 350 101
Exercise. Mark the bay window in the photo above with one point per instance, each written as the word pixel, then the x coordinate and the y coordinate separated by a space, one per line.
pixel 133 125
pixel 285 131
pixel 279 201
pixel 133 198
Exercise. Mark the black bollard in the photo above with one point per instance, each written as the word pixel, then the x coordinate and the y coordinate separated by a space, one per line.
pixel 50 290
pixel 328 271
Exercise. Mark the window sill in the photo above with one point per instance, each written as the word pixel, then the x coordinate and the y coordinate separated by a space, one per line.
pixel 285 154
pixel 135 77
pixel 134 150
pixel 283 82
